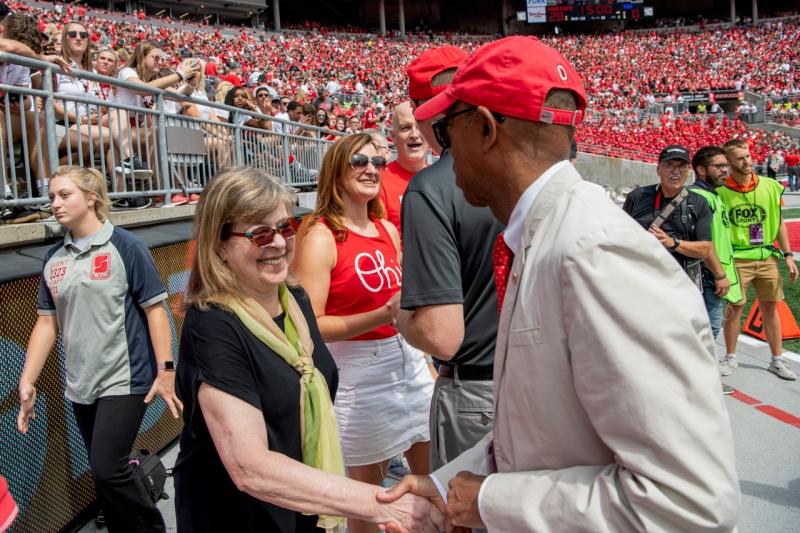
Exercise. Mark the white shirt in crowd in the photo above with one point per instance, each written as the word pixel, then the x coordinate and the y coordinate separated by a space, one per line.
pixel 72 86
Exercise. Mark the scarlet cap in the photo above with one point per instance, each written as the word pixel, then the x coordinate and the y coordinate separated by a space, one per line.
pixel 428 64
pixel 512 76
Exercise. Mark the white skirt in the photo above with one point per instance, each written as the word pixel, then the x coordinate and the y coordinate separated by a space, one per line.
pixel 383 400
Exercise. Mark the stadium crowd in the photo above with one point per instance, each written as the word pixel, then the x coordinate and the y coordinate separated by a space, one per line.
pixel 352 82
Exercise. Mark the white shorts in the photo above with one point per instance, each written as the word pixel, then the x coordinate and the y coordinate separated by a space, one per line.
pixel 383 400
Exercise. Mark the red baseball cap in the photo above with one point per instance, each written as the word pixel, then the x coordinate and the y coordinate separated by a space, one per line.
pixel 512 76
pixel 428 64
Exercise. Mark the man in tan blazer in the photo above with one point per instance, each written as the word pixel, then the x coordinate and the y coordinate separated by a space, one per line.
pixel 607 411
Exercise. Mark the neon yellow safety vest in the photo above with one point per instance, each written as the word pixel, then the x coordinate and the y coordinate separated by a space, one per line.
pixel 745 210
pixel 721 238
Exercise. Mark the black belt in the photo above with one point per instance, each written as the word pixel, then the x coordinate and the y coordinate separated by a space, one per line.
pixel 467 373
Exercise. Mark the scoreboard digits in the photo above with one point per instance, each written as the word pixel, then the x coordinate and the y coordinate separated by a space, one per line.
pixel 540 11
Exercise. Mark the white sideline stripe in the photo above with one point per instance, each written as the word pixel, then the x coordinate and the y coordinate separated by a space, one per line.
pixel 747 339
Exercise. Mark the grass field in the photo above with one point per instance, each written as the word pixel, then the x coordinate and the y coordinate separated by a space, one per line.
pixel 792 212
pixel 792 293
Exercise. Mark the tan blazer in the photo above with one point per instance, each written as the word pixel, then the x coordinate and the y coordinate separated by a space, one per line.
pixel 609 414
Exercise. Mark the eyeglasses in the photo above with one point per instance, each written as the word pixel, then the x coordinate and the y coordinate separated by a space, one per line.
pixel 361 161
pixel 263 236
pixel 73 34
pixel 262 95
pixel 441 125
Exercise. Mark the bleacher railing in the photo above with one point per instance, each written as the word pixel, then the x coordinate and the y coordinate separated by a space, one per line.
pixel 180 153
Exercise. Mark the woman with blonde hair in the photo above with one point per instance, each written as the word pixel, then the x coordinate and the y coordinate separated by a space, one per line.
pixel 143 67
pixel 218 140
pixel 260 448
pixel 220 94
pixel 349 262
pixel 91 126
pixel 100 289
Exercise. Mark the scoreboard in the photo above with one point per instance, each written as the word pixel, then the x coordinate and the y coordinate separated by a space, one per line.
pixel 541 11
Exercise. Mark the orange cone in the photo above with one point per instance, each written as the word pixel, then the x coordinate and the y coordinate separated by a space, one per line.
pixel 754 325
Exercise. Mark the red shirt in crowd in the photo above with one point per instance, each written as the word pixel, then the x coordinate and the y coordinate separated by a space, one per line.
pixel 394 182
pixel 369 120
pixel 211 69
pixel 365 276
pixel 234 79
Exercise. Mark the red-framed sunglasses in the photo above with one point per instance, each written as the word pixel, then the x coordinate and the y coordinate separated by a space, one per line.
pixel 263 236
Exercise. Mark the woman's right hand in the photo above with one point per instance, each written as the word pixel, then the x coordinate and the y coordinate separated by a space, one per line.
pixel 27 399
pixel 391 307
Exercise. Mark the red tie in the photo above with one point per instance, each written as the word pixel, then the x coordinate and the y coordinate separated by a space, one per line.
pixel 502 257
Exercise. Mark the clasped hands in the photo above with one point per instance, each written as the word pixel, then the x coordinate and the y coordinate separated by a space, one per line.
pixel 459 515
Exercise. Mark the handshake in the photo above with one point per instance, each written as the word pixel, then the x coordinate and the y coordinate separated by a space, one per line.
pixel 424 510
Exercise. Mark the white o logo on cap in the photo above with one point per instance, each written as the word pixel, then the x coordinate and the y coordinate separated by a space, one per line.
pixel 562 72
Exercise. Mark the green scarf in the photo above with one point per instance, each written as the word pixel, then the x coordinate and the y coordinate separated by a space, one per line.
pixel 319 431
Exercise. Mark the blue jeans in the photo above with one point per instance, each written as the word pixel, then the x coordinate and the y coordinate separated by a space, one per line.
pixel 714 305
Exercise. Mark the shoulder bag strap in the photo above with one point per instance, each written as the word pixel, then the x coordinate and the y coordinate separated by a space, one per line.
pixel 664 214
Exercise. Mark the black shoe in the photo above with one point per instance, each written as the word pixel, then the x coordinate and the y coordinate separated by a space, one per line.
pixel 127 204
pixel 133 167
pixel 19 215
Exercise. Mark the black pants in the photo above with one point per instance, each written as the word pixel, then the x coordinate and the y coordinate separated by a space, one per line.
pixel 109 427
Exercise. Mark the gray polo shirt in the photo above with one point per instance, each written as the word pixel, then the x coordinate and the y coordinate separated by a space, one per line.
pixel 98 295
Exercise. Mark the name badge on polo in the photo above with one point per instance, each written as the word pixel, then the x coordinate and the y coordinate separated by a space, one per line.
pixel 101 266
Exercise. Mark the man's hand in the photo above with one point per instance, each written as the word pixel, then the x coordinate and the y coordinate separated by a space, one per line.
pixel 793 272
pixel 722 286
pixel 462 501
pixel 663 238
pixel 421 486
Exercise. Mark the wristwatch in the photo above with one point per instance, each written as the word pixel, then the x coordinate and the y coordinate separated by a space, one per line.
pixel 787 254
pixel 675 246
pixel 169 366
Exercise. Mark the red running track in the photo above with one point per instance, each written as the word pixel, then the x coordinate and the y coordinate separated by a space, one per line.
pixel 794 235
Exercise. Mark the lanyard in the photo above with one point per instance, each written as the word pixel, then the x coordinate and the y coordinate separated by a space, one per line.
pixel 104 90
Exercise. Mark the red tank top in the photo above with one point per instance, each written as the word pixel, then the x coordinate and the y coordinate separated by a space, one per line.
pixel 365 276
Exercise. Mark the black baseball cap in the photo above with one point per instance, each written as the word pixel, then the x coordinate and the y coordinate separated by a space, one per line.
pixel 674 151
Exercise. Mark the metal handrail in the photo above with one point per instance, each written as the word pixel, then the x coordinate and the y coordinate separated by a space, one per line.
pixel 126 130
pixel 36 64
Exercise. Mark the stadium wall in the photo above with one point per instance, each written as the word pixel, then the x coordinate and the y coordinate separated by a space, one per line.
pixel 615 173
pixel 47 469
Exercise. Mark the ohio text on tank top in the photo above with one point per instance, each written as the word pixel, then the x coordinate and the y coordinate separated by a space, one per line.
pixel 365 276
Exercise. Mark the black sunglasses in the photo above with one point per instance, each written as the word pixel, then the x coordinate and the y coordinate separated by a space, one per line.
pixel 263 236
pixel 360 162
pixel 440 126
pixel 73 34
